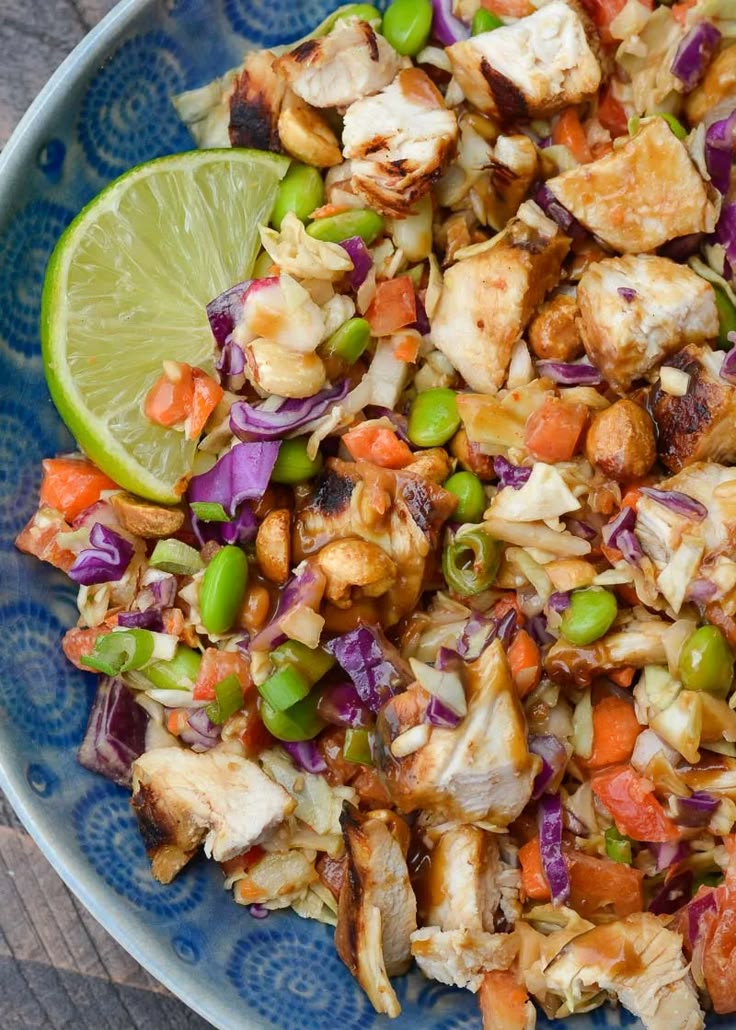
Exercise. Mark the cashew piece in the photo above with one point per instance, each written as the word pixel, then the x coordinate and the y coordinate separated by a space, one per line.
pixel 355 563
pixel 276 370
pixel 306 135
pixel 273 545
pixel 141 518
pixel 432 464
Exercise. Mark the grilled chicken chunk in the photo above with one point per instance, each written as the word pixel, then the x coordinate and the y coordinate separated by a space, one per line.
pixel 655 168
pixel 350 62
pixel 640 963
pixel 698 426
pixel 460 888
pixel 400 512
pixel 536 66
pixel 461 957
pixel 514 167
pixel 637 310
pixel 488 299
pixel 482 769
pixel 399 142
pixel 377 910
pixel 255 103
pixel 638 644
pixel 184 799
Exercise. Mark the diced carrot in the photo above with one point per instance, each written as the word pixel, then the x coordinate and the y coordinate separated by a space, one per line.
pixel 679 11
pixel 72 484
pixel 631 801
pixel 612 114
pixel 615 729
pixel 569 132
pixel 406 348
pixel 506 603
pixel 207 395
pixel 393 307
pixel 623 677
pixel 328 210
pixel 169 401
pixel 526 663
pixel 215 666
pixel 554 432
pixel 509 8
pixel 533 881
pixel 504 1001
pixel 173 619
pixel 604 11
pixel 177 721
pixel 631 498
pixel 242 863
pixel 377 444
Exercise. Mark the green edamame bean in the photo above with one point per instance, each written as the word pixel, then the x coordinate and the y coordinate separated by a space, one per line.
pixel 433 417
pixel 706 662
pixel 293 464
pixel 484 21
pixel 349 341
pixel 223 589
pixel 302 191
pixel 361 222
pixel 590 615
pixel 471 496
pixel 726 318
pixel 407 25
pixel 366 12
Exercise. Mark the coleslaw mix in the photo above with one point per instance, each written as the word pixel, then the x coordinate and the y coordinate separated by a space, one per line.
pixel 438 646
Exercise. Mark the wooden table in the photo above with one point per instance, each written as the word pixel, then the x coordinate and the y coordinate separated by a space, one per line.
pixel 58 967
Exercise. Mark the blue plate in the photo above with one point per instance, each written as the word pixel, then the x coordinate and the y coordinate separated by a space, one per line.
pixel 105 110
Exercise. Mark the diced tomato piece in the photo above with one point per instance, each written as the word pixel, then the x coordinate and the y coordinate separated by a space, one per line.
pixel 604 11
pixel 377 444
pixel 503 1001
pixel 554 432
pixel 679 11
pixel 631 801
pixel 39 539
pixel 207 395
pixel 393 307
pixel 569 132
pixel 615 729
pixel 72 484
pixel 509 8
pixel 612 114
pixel 718 929
pixel 242 863
pixel 599 883
pixel 332 873
pixel 215 666
pixel 169 401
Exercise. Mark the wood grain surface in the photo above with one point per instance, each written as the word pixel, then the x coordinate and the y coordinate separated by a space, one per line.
pixel 58 968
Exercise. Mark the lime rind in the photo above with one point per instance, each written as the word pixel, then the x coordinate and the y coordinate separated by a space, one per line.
pixel 127 287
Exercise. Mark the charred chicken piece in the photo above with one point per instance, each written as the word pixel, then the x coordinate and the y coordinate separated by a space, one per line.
pixel 255 103
pixel 377 910
pixel 699 425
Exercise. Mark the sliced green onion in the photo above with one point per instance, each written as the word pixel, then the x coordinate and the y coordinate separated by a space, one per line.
pixel 416 274
pixel 349 341
pixel 726 318
pixel 285 688
pixel 311 662
pixel 357 746
pixel 675 124
pixel 117 652
pixel 229 694
pixel 209 511
pixel 618 847
pixel 178 674
pixel 633 125
pixel 484 21
pixel 177 557
pixel 470 562
pixel 300 722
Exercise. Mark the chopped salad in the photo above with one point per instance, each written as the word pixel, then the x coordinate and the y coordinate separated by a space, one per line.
pixel 438 646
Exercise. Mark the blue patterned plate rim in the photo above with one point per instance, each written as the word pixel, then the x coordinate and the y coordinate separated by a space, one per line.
pixel 82 61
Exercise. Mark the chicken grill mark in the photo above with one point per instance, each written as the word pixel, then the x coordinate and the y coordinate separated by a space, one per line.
pixel 509 99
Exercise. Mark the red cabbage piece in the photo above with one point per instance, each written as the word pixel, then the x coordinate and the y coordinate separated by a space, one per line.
pixel 719 142
pixel 628 293
pixel 116 732
pixel 682 247
pixel 674 894
pixel 728 368
pixel 225 311
pixel 507 627
pixel 361 258
pixel 554 759
pixel 550 847
pixel 242 474
pixel 570 373
pixel 258 911
pixel 254 422
pixel 340 705
pixel 105 561
pixel 372 663
pixel 445 26
pixel 510 475
pixel 669 853
pixel 479 631
pixel 726 233
pixel 559 601
pixel 537 629
pixel 697 908
pixel 239 530
pixel 151 619
pixel 694 54
pixel 304 590
pixel 421 325
pixel 306 754
pixel 447 659
pixel 701 591
pixel 581 529
pixel 678 502
pixel 201 734
pixel 557 211
pixel 230 366
pixel 620 534
pixel 695 810
pixel 438 714
pixel 164 589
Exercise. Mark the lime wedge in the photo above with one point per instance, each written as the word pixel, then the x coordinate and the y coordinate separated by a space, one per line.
pixel 127 287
